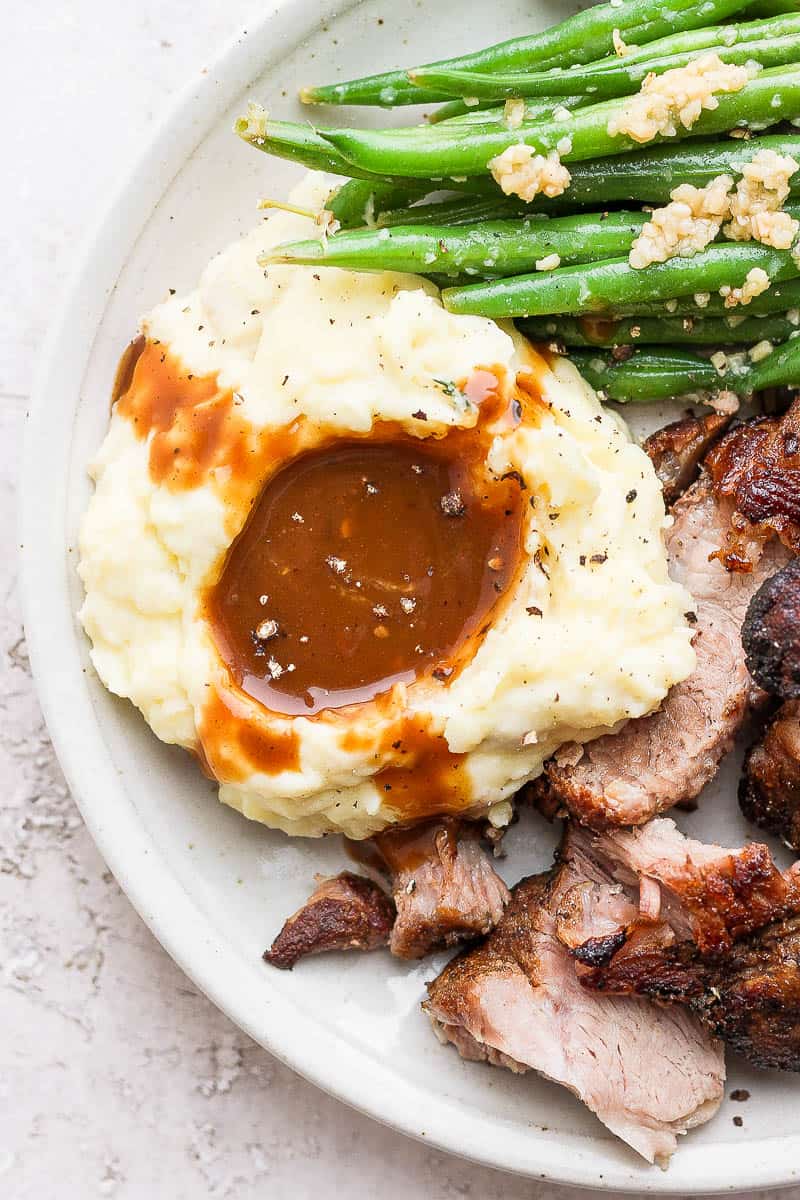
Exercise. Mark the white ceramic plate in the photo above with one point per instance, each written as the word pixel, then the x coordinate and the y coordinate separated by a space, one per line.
pixel 213 887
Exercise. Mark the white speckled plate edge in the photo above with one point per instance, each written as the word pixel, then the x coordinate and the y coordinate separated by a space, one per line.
pixel 235 981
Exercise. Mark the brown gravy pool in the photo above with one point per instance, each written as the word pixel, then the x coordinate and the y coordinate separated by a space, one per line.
pixel 364 564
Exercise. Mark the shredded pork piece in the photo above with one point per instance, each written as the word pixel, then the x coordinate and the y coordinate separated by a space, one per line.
pixel 755 209
pixel 677 97
pixel 691 220
pixel 520 171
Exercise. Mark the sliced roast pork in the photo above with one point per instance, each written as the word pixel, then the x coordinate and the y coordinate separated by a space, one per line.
pixel 659 915
pixel 733 529
pixel 677 451
pixel 749 997
pixel 516 1001
pixel 769 793
pixel 445 887
pixel 445 890
pixel 702 893
pixel 666 758
pixel 756 469
pixel 347 912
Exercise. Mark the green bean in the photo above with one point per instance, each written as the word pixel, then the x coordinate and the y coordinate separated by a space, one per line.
pixel 648 176
pixel 771 8
pixel 491 248
pixel 459 110
pixel 535 110
pixel 488 112
pixel 772 96
pixel 610 285
pixel 461 210
pixel 650 375
pixel 771 43
pixel 662 330
pixel 579 39
pixel 783 296
pixel 359 200
pixel 299 143
pixel 781 368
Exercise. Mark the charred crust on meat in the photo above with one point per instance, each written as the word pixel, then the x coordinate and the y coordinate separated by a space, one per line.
pixel 598 951
pixel 678 449
pixel 752 999
pixel 727 945
pixel 755 467
pixel 347 912
pixel 771 633
pixel 769 791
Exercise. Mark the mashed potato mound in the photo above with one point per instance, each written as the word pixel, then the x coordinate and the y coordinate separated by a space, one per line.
pixel 592 634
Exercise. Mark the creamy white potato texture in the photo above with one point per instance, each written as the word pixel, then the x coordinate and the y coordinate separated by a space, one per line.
pixel 593 632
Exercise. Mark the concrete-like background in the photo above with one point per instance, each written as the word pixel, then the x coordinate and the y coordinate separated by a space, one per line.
pixel 117 1079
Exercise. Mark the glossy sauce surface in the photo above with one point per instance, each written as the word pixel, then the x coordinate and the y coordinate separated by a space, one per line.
pixel 364 564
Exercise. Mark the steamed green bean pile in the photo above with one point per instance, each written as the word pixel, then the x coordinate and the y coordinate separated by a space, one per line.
pixel 529 194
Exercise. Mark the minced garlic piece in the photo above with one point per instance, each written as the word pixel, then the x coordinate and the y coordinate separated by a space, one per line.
pixel 256 119
pixel 522 172
pixel 327 224
pixel 677 97
pixel 690 221
pixel 760 351
pixel 756 282
pixel 549 263
pixel 514 113
pixel 757 203
pixel 620 48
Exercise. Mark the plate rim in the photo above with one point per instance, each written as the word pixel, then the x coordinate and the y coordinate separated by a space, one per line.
pixel 53 636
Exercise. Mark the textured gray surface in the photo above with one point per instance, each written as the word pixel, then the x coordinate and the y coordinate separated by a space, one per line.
pixel 117 1078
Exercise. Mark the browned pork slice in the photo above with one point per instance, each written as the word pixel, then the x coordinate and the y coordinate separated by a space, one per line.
pixel 677 451
pixel 659 915
pixel 445 887
pixel 749 997
pixel 515 1001
pixel 769 793
pixel 347 912
pixel 756 469
pixel 658 883
pixel 771 633
pixel 660 760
